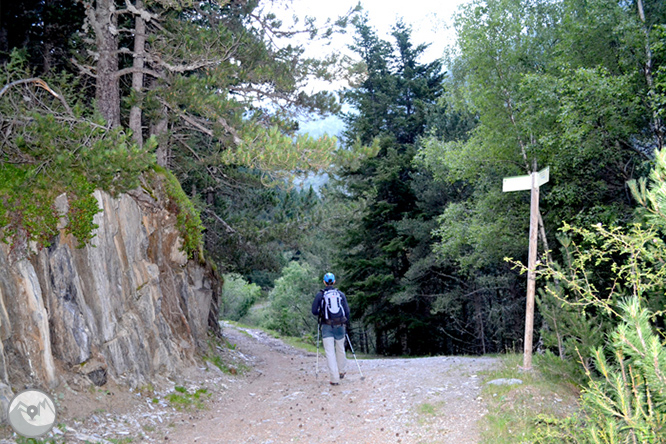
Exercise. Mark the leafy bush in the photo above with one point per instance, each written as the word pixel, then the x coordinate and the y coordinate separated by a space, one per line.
pixel 237 297
pixel 625 397
pixel 291 300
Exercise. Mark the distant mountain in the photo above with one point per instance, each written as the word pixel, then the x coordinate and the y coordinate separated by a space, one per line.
pixel 331 125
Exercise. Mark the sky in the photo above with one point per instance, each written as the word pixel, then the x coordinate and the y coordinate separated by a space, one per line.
pixel 431 22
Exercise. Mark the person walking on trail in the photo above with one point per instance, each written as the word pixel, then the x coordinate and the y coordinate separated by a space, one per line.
pixel 330 305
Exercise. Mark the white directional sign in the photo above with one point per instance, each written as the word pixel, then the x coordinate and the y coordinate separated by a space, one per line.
pixel 543 176
pixel 519 183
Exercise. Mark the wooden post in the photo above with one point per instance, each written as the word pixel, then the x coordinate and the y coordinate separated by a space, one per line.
pixel 518 183
pixel 531 273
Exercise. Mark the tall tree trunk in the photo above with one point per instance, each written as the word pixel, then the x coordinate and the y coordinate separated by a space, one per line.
pixel 657 122
pixel 404 339
pixel 137 75
pixel 104 22
pixel 159 130
pixel 478 315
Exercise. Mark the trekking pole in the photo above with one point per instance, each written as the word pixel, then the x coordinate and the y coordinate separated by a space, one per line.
pixel 352 350
pixel 318 330
pixel 317 364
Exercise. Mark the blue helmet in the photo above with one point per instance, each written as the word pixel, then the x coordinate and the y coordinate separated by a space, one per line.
pixel 329 278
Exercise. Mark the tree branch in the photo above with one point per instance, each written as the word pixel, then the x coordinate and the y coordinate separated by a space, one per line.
pixel 147 16
pixel 191 67
pixel 42 84
pixel 132 70
pixel 188 119
pixel 228 227
pixel 87 70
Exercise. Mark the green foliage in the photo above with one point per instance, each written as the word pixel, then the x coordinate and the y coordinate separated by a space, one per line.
pixel 625 399
pixel 291 300
pixel 237 297
pixel 81 213
pixel 182 399
pixel 255 230
pixel 187 216
pixel 46 152
pixel 237 104
pixel 614 274
pixel 278 154
pixel 608 264
pixel 558 84
pixel 215 346
pixel 628 404
pixel 384 242
pixel 651 195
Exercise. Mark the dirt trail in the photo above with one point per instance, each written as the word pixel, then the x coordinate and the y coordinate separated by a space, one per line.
pixel 423 400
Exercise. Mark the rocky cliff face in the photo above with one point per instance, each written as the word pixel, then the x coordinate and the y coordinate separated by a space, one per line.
pixel 127 307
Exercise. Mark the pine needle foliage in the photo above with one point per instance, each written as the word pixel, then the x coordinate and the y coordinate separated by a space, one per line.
pixel 48 148
pixel 624 400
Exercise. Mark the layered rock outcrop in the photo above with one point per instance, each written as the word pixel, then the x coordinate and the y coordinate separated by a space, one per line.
pixel 127 307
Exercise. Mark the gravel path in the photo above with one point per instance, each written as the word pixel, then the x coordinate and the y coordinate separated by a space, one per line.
pixel 282 400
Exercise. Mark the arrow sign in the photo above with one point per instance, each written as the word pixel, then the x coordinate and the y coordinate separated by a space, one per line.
pixel 519 183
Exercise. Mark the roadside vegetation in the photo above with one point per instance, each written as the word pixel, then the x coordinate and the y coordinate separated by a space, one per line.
pixel 517 410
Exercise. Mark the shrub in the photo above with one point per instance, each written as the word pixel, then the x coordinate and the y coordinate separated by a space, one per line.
pixel 48 148
pixel 291 300
pixel 188 220
pixel 625 400
pixel 238 296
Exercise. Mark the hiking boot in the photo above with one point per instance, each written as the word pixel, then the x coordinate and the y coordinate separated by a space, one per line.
pixel 342 375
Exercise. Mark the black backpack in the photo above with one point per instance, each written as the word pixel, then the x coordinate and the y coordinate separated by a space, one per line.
pixel 332 311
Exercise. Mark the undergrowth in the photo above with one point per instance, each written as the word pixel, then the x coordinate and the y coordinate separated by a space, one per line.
pixel 515 411
pixel 50 148
pixel 182 399
pixel 215 348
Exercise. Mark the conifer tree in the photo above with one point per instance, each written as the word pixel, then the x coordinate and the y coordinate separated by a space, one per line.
pixel 391 101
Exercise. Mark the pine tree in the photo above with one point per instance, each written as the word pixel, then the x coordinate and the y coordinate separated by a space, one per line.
pixel 391 104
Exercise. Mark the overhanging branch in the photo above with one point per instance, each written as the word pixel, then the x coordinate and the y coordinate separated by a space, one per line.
pixel 133 70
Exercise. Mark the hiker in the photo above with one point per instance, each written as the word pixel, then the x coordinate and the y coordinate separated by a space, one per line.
pixel 330 305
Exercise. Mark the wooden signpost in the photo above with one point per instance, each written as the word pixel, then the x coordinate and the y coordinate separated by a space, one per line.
pixel 519 183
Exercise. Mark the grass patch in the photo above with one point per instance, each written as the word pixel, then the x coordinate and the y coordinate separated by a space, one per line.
pixel 426 409
pixel 215 347
pixel 23 440
pixel 301 343
pixel 515 410
pixel 181 399
pixel 218 362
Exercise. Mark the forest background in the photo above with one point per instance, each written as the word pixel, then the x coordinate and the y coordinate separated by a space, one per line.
pixel 411 217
